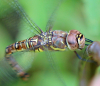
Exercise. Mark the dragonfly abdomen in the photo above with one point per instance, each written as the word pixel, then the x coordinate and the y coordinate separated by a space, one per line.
pixel 27 44
pixel 24 45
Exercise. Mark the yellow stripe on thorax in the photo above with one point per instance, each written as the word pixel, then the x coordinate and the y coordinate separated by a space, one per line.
pixel 57 48
pixel 38 50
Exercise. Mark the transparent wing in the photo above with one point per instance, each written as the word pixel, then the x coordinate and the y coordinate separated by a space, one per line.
pixel 23 59
pixel 50 55
pixel 51 20
pixel 7 75
pixel 15 20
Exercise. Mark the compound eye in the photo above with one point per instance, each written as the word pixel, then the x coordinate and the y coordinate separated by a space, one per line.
pixel 81 37
pixel 80 40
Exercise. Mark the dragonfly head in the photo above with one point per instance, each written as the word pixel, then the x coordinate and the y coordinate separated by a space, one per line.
pixel 75 40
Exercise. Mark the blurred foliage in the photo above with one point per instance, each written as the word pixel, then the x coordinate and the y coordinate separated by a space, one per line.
pixel 82 15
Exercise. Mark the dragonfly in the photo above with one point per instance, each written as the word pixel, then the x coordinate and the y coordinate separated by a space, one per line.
pixel 51 40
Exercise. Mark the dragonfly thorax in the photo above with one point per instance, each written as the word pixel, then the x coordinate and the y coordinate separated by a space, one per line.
pixel 75 40
pixel 45 38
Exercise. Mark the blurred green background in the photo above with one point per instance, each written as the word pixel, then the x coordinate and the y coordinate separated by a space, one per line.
pixel 82 15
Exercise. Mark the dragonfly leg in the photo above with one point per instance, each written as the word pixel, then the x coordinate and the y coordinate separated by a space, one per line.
pixel 88 40
pixel 83 58
pixel 86 44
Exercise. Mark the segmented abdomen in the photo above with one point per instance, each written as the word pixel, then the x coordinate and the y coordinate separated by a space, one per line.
pixel 20 46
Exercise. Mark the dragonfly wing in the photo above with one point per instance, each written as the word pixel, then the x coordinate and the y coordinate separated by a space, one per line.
pixel 50 55
pixel 23 59
pixel 7 75
pixel 51 20
pixel 15 20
